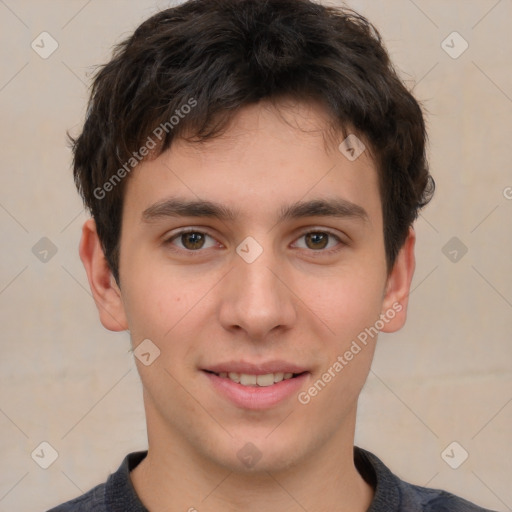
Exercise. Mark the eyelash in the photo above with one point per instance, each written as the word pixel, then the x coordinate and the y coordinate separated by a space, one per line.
pixel 169 241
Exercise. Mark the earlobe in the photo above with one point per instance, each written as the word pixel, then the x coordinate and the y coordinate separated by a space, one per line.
pixel 105 291
pixel 396 298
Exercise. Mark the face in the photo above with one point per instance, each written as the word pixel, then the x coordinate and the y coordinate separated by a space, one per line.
pixel 255 265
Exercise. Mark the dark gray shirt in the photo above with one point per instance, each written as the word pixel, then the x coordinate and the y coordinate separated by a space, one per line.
pixel 117 494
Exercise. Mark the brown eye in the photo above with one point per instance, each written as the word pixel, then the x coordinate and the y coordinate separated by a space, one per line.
pixel 191 241
pixel 317 240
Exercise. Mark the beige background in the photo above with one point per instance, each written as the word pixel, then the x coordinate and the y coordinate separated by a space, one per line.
pixel 445 377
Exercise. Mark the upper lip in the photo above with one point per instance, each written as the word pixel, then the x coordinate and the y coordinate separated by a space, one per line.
pixel 255 368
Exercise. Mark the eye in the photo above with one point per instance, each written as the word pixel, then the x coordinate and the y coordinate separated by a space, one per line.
pixel 319 240
pixel 191 240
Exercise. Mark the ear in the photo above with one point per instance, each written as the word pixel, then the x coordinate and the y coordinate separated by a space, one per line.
pixel 396 297
pixel 105 291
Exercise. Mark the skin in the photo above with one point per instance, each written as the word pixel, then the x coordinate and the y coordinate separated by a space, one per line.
pixel 296 302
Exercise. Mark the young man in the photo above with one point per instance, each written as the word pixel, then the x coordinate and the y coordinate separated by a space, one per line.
pixel 253 169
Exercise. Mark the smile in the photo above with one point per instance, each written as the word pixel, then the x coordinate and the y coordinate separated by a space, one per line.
pixel 263 380
pixel 256 387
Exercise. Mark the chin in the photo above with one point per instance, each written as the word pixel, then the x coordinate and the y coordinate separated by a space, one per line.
pixel 254 453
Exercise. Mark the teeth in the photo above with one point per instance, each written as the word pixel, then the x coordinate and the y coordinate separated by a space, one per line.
pixel 278 377
pixel 265 380
pixel 256 380
pixel 247 380
pixel 234 376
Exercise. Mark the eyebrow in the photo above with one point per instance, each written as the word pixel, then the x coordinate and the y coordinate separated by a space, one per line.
pixel 177 207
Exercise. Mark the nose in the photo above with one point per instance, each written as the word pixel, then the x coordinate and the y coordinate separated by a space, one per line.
pixel 256 298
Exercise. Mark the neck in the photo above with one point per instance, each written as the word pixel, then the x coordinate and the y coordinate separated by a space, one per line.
pixel 175 477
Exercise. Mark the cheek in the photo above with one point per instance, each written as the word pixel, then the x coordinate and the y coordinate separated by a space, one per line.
pixel 350 310
pixel 347 304
pixel 150 304
pixel 156 315
pixel 166 305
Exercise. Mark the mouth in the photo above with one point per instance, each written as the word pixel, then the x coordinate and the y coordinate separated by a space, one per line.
pixel 256 387
pixel 256 380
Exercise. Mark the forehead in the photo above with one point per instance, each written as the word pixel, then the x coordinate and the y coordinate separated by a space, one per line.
pixel 266 159
pixel 287 120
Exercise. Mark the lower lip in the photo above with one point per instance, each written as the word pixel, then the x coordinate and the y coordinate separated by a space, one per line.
pixel 256 397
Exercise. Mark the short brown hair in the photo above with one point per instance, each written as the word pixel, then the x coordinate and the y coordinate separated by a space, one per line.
pixel 220 55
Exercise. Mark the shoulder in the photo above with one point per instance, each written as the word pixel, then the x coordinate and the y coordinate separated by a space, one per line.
pixel 91 501
pixel 117 494
pixel 394 495
pixel 436 500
